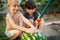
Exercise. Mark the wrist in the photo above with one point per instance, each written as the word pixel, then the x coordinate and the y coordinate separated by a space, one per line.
pixel 24 29
pixel 32 26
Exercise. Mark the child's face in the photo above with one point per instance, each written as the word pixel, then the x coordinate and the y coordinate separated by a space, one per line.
pixel 30 11
pixel 14 7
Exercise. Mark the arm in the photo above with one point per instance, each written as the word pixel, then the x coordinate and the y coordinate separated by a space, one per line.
pixel 10 20
pixel 41 24
pixel 27 26
pixel 26 20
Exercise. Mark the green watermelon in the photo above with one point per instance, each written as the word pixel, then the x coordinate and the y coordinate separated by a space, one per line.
pixel 35 36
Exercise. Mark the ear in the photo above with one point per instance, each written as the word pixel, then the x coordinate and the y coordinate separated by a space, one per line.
pixel 8 6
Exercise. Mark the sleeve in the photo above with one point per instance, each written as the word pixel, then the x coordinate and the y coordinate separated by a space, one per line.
pixel 36 14
pixel 27 16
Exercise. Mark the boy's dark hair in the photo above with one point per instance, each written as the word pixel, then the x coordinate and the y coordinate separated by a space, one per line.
pixel 30 4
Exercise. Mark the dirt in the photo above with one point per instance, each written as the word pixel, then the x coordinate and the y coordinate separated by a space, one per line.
pixel 52 15
pixel 52 27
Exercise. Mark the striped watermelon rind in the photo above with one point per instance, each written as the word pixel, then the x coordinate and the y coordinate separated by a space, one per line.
pixel 35 36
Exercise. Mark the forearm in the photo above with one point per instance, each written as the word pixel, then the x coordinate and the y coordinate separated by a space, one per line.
pixel 19 28
pixel 41 25
pixel 27 21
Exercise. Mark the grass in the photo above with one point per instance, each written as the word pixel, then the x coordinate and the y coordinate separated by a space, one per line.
pixel 2 30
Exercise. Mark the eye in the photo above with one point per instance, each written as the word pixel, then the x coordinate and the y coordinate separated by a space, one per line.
pixel 14 5
pixel 18 5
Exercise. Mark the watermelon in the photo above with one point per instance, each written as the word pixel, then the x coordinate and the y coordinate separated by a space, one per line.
pixel 35 36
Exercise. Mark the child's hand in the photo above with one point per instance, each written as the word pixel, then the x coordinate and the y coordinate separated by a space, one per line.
pixel 37 22
pixel 32 30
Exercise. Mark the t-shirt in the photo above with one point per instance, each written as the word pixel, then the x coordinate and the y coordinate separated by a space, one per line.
pixel 34 17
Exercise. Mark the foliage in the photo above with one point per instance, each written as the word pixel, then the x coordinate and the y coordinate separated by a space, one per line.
pixel 1 18
pixel 2 5
pixel 53 8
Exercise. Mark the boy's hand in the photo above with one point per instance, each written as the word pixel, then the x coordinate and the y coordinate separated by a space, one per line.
pixel 37 22
pixel 32 30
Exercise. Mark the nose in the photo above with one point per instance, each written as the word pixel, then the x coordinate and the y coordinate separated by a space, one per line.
pixel 17 8
pixel 30 10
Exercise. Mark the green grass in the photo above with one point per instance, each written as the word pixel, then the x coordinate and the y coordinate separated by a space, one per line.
pixel 2 30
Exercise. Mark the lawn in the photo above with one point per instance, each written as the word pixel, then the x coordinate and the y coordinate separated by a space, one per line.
pixel 2 30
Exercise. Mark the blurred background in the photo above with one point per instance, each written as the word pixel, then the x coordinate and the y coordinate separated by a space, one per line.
pixel 51 17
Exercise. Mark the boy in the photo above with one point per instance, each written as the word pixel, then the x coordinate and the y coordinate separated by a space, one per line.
pixel 12 20
pixel 33 15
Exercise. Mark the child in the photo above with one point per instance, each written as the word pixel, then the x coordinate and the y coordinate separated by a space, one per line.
pixel 33 15
pixel 12 21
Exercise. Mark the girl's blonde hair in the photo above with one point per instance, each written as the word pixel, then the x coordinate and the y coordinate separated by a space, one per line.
pixel 11 2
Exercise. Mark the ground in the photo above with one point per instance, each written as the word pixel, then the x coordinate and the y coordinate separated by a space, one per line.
pixel 52 26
